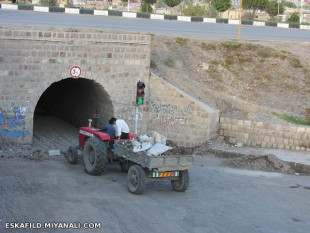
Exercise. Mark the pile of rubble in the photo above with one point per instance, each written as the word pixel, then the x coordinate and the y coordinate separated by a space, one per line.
pixel 153 144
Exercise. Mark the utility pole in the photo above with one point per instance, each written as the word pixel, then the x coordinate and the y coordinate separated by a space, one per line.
pixel 240 16
pixel 301 5
pixel 279 2
pixel 136 119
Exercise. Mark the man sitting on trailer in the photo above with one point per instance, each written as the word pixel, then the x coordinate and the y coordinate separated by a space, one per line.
pixel 122 129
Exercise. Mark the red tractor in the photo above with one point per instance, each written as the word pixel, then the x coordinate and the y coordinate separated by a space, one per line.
pixel 97 149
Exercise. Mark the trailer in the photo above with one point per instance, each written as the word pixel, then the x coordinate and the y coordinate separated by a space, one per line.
pixel 144 168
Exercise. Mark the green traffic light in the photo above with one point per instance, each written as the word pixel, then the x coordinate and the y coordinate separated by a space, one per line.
pixel 140 101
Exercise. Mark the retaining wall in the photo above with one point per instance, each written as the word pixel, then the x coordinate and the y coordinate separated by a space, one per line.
pixel 265 135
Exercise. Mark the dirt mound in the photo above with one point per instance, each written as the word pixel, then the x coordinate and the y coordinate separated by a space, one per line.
pixel 181 150
pixel 269 163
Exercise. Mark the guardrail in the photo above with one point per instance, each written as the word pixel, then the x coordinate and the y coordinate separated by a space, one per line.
pixel 150 16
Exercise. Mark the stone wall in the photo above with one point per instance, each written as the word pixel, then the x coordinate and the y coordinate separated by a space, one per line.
pixel 265 135
pixel 31 60
pixel 178 116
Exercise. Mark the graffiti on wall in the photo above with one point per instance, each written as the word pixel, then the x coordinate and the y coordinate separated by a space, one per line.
pixel 12 123
pixel 170 109
pixel 167 114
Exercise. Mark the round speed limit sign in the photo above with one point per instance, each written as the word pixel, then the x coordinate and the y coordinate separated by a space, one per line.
pixel 75 71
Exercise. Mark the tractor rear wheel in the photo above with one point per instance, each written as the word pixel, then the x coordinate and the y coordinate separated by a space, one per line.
pixel 95 156
pixel 182 184
pixel 72 155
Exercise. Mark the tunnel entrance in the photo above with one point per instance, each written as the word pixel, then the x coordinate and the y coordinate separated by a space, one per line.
pixel 64 107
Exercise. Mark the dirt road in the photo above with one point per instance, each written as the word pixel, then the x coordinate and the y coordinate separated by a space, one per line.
pixel 219 199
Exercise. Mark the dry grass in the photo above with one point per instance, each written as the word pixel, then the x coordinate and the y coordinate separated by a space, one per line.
pixel 169 62
pixel 295 62
pixel 181 41
pixel 207 46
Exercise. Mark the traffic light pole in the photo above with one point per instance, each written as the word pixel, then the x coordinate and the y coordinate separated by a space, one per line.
pixel 139 101
pixel 136 119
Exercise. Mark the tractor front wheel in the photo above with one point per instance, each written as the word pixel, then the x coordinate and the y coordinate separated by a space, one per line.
pixel 72 155
pixel 95 156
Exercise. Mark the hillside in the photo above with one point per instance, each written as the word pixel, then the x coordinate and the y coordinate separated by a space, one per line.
pixel 247 80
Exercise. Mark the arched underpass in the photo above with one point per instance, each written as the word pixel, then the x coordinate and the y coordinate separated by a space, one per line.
pixel 64 107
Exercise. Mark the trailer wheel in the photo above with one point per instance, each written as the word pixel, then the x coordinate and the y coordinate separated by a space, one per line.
pixel 72 155
pixel 95 156
pixel 182 184
pixel 125 165
pixel 136 179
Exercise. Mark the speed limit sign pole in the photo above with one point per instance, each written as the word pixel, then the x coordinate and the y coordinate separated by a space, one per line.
pixel 75 71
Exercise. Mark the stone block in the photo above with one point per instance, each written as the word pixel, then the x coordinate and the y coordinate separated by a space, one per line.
pixel 266 138
pixel 242 129
pixel 247 123
pixel 234 121
pixel 263 131
pixel 228 120
pixel 301 130
pixel 293 129
pixel 279 140
pixel 285 128
pixel 279 133
pixel 232 140
pixel 266 126
pixel 234 127
pixel 240 122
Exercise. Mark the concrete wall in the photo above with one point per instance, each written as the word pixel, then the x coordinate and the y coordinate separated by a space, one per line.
pixel 178 116
pixel 265 135
pixel 31 60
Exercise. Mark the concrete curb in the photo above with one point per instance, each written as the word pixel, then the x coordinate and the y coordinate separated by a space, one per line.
pixel 149 16
pixel 298 167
